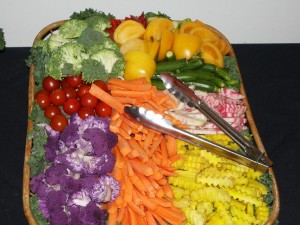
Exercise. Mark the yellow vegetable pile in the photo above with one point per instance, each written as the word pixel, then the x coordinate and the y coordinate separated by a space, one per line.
pixel 214 190
pixel 146 46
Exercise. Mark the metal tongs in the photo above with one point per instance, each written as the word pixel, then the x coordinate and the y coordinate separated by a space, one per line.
pixel 253 157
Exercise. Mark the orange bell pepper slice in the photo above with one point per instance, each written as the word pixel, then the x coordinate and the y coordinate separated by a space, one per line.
pixel 155 28
pixel 166 44
pixel 212 54
pixel 186 45
pixel 204 34
pixel 188 26
pixel 127 30
pixel 223 46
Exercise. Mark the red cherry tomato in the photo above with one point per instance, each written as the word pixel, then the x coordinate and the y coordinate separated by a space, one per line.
pixel 74 81
pixel 58 97
pixel 58 123
pixel 64 83
pixel 70 92
pixel 52 111
pixel 43 101
pixel 71 106
pixel 103 110
pixel 85 112
pixel 41 92
pixel 50 84
pixel 101 84
pixel 88 100
pixel 83 89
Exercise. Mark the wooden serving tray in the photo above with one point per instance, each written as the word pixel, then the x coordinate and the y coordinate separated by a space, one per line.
pixel 26 171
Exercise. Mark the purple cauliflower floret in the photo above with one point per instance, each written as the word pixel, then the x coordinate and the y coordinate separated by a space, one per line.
pixel 79 162
pixel 70 185
pixel 56 201
pixel 99 140
pixel 69 135
pixel 93 215
pixel 79 198
pixel 51 146
pixel 55 174
pixel 38 185
pixel 106 189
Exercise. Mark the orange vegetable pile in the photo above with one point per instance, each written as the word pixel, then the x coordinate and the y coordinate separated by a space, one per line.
pixel 144 157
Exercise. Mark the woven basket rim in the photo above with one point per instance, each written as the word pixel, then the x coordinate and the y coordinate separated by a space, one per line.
pixel 26 169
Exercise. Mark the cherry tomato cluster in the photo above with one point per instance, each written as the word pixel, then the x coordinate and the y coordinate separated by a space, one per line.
pixel 59 99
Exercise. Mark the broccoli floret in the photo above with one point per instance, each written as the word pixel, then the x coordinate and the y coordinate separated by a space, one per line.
pixel 93 70
pixel 91 37
pixel 110 44
pixel 88 12
pixel 151 15
pixel 2 40
pixel 72 28
pixel 54 65
pixel 73 53
pixel 98 23
pixel 56 40
pixel 108 58
pixel 66 60
pixel 42 44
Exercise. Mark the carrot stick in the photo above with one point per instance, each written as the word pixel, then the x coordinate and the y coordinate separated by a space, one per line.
pixel 126 220
pixel 171 145
pixel 138 184
pixel 123 146
pixel 141 168
pixel 169 214
pixel 112 218
pixel 141 96
pixel 135 145
pixel 129 85
pixel 149 139
pixel 148 185
pixel 121 214
pixel 126 100
pixel 150 219
pixel 136 209
pixel 107 98
pixel 160 220
pixel 168 191
pixel 160 193
pixel 160 97
pixel 147 202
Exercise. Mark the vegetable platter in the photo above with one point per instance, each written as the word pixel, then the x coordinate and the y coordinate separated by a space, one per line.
pixel 88 162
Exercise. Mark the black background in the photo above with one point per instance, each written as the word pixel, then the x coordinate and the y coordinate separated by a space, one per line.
pixel 272 81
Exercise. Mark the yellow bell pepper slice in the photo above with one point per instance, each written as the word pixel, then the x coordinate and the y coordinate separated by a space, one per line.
pixel 166 44
pixel 212 54
pixel 138 64
pixel 186 45
pixel 153 47
pixel 155 28
pixel 127 30
pixel 134 44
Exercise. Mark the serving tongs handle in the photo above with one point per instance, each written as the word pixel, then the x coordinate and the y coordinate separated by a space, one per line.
pixel 185 94
pixel 157 122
